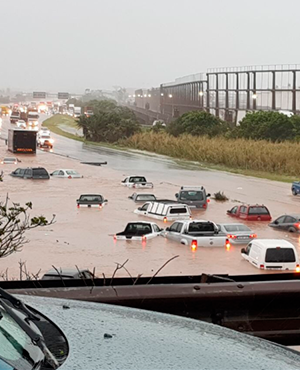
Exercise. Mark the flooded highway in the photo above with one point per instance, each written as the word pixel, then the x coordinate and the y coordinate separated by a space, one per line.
pixel 84 237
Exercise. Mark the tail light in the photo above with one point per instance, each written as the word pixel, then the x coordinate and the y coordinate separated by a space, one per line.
pixel 191 218
pixel 144 238
pixel 115 237
pixel 252 236
pixel 204 205
pixel 165 219
pixel 297 268
pixel 78 205
pixel 297 225
pixel 100 206
pixel 230 236
pixel 227 244
pixel 207 200
pixel 262 267
pixel 194 245
pixel 69 177
pixel 133 185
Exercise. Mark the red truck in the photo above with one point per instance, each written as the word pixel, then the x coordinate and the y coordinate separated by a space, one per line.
pixel 250 212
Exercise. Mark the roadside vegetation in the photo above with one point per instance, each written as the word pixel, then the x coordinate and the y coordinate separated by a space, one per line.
pixel 265 144
pixel 15 220
pixel 252 157
pixel 109 123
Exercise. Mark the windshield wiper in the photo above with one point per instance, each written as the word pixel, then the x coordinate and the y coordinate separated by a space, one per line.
pixel 37 339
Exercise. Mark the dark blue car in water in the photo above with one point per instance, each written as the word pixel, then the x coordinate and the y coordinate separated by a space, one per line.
pixel 296 187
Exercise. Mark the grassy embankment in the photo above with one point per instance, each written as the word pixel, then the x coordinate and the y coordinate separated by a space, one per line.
pixel 274 161
pixel 55 121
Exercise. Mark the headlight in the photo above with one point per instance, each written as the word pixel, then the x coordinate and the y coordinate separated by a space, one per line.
pixel 30 123
pixel 51 141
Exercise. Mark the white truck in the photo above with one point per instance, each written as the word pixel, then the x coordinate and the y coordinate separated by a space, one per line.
pixel 137 182
pixel 77 111
pixel 164 210
pixel 196 233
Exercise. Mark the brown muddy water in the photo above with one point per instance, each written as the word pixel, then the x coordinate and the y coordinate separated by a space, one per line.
pixel 84 237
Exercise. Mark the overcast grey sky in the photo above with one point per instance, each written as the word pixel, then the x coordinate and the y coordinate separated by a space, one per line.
pixel 70 45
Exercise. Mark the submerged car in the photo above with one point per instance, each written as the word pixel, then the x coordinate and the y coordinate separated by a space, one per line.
pixel 63 173
pixel 193 196
pixel 142 197
pixel 38 173
pixel 296 188
pixel 289 223
pixel 67 274
pixel 237 233
pixel 140 230
pixel 250 212
pixel 9 160
pixel 91 200
pixel 272 254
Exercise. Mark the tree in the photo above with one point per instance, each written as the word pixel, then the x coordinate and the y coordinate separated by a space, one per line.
pixel 14 222
pixel 197 123
pixel 273 126
pixel 109 123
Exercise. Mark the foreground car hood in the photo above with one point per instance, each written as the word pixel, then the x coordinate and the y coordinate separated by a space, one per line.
pixel 145 340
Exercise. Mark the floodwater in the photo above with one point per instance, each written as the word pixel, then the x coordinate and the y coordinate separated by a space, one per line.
pixel 84 237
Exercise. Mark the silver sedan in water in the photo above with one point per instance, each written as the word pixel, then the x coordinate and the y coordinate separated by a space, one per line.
pixel 237 233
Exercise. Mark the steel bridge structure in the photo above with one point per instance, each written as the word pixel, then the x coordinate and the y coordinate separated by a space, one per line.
pixel 228 93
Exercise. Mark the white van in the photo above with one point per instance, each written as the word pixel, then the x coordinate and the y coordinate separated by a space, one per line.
pixel 165 210
pixel 272 254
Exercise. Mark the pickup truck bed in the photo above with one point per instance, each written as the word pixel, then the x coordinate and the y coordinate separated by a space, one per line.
pixel 185 232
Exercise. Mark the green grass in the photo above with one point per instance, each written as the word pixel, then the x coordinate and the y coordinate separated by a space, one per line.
pixel 179 149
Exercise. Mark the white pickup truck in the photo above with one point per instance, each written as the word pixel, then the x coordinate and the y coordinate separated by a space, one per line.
pixel 196 233
pixel 140 230
pixel 137 182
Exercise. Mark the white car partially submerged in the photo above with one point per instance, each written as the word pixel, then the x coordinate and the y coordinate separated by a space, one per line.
pixel 66 173
pixel 137 182
pixel 272 254
pixel 140 230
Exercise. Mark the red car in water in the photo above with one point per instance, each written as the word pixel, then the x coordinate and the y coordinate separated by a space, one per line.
pixel 250 212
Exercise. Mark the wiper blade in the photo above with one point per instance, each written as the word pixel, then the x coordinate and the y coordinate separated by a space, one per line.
pixel 36 338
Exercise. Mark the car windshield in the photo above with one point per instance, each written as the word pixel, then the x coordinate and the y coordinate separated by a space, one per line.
pixel 71 172
pixel 191 195
pixel 45 137
pixel 137 179
pixel 233 228
pixel 9 159
pixel 258 211
pixel 15 345
pixel 138 227
pixel 201 227
pixel 39 172
pixel 280 255
pixel 91 198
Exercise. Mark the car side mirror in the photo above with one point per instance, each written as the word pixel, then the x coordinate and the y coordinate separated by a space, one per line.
pixel 77 200
pixel 130 197
pixel 276 222
pixel 167 229
pixel 208 195
pixel 140 208
pixel 243 251
pixel 105 200
pixel 229 211
pixel 51 174
pixel 176 195
pixel 161 229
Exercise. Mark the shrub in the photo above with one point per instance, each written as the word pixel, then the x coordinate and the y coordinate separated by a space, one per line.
pixel 197 123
